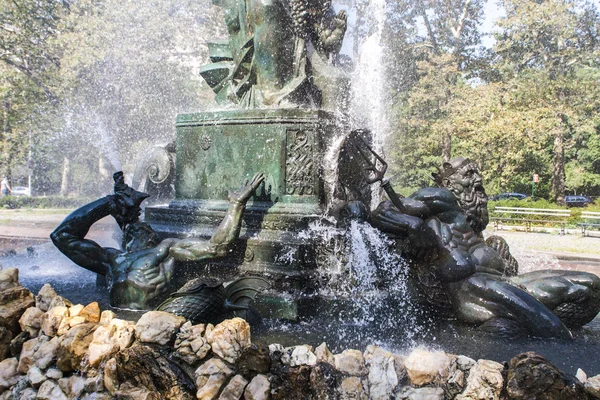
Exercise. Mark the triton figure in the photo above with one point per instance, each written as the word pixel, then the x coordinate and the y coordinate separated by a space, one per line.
pixel 467 277
pixel 141 275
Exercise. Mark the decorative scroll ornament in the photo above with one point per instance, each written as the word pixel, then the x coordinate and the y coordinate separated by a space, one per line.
pixel 299 174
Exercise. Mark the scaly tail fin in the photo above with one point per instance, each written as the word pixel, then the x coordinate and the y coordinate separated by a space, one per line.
pixel 242 291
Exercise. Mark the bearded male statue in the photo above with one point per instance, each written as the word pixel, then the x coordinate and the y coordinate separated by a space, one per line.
pixel 461 274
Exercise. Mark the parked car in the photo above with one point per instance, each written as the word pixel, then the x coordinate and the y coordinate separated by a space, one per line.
pixel 20 191
pixel 577 201
pixel 506 196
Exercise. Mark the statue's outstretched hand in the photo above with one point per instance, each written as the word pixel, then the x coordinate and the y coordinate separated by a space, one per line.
pixel 247 190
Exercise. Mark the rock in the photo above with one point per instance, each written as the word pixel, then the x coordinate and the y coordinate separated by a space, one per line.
pixel 128 391
pixel 210 378
pixel 290 382
pixel 75 310
pixel 49 390
pixel 31 321
pixel 424 393
pixel 425 367
pixel 485 381
pixel 111 379
pixel 52 319
pixel 73 346
pixel 158 327
pixel 40 351
pixel 94 384
pixel 106 316
pixel 6 338
pixel 9 374
pixel 9 278
pixel 96 396
pixel 108 339
pixel 531 376
pixel 255 359
pixel 383 378
pixel 44 297
pixel 143 367
pixel 13 303
pixel 59 301
pixel 299 355
pixel 592 386
pixel 229 338
pixel 464 363
pixel 323 354
pixel 234 389
pixel 353 388
pixel 91 313
pixel 581 375
pixel 36 377
pixel 455 384
pixel 28 394
pixel 54 373
pixel 16 345
pixel 324 379
pixel 72 386
pixel 190 345
pixel 258 389
pixel 351 362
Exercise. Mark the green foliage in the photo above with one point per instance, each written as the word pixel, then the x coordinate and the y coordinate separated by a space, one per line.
pixel 12 202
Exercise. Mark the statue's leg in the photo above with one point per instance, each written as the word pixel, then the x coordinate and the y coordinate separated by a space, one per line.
pixel 572 295
pixel 483 298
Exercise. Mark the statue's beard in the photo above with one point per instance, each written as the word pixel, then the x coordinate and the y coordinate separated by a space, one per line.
pixel 474 204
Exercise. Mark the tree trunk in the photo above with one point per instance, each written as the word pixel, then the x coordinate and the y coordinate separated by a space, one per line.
pixel 557 187
pixel 447 146
pixel 66 177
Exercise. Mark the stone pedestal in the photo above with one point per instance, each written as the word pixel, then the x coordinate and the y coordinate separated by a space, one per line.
pixel 215 152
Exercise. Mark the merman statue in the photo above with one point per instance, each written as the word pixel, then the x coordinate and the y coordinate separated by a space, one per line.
pixel 441 231
pixel 140 276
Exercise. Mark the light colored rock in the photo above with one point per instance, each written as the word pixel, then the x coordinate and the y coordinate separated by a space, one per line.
pixel 424 393
pixel 276 348
pixel 75 310
pixel 383 377
pixel 28 394
pixel 36 377
pixel 74 321
pixel 323 354
pixel 425 367
pixel 581 375
pixel 27 356
pixel 72 386
pixel 352 388
pixel 108 339
pixel 31 321
pixel 106 316
pixel 52 319
pixel 9 278
pixel 190 345
pixel 60 301
pixel 9 374
pixel 128 391
pixel 96 396
pixel 351 362
pixel 210 378
pixel 299 355
pixel 46 354
pixel 73 347
pixel 229 338
pixel 49 390
pixel 91 313
pixel 111 381
pixel 484 382
pixel 54 373
pixel 592 386
pixel 40 351
pixel 234 389
pixel 258 389
pixel 464 363
pixel 44 297
pixel 158 327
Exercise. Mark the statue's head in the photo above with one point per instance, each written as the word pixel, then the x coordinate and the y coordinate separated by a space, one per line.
pixel 353 211
pixel 129 201
pixel 139 236
pixel 461 177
